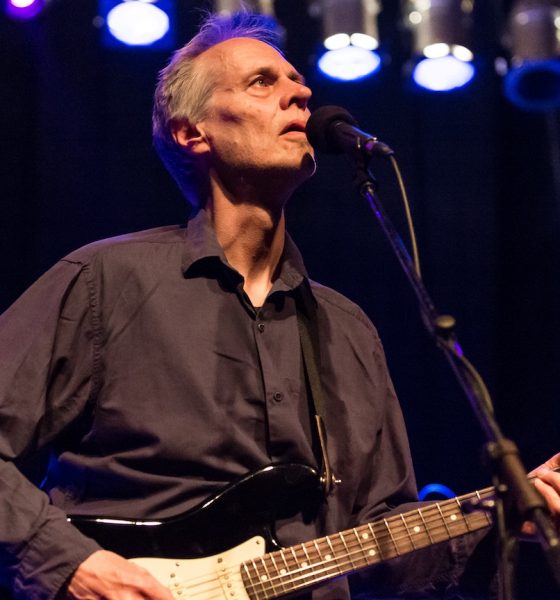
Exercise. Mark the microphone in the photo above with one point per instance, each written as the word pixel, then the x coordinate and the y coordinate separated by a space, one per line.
pixel 334 130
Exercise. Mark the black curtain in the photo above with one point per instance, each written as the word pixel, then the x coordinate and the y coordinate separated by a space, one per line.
pixel 483 178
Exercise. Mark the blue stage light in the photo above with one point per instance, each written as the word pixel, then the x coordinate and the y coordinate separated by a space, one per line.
pixel 533 81
pixel 441 33
pixel 443 74
pixel 349 63
pixel 534 85
pixel 350 36
pixel 137 23
pixel 435 488
pixel 24 9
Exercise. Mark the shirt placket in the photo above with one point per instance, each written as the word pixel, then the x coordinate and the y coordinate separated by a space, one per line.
pixel 278 346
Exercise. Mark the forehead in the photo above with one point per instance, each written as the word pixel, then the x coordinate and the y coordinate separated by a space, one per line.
pixel 239 56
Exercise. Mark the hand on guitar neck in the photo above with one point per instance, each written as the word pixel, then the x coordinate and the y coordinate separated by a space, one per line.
pixel 110 576
pixel 547 481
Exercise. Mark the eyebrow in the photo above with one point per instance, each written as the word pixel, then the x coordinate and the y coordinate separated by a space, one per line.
pixel 297 76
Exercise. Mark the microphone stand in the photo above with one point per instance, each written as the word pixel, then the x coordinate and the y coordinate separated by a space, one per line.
pixel 516 499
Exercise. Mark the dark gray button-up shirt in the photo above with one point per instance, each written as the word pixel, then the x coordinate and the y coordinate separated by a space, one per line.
pixel 142 362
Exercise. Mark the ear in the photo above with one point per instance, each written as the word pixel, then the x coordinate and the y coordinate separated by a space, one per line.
pixel 190 137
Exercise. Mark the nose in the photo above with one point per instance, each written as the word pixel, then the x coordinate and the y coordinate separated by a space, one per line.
pixel 296 93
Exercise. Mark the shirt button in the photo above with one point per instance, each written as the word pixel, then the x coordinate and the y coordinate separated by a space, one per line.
pixel 260 327
pixel 278 396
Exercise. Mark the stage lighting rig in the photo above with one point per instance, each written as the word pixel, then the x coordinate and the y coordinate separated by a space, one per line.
pixel 264 7
pixel 351 37
pixel 533 80
pixel 24 10
pixel 441 35
pixel 137 23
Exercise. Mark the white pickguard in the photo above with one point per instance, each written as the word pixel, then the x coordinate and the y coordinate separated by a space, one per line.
pixel 211 578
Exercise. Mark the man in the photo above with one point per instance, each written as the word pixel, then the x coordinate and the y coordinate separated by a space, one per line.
pixel 163 365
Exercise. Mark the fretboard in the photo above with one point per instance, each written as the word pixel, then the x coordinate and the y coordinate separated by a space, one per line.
pixel 304 565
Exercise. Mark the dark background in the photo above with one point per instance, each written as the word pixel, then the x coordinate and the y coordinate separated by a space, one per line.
pixel 77 165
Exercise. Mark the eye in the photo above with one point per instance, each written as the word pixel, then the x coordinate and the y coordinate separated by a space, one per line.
pixel 260 81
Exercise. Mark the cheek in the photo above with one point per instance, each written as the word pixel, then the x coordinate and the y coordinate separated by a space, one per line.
pixel 237 127
pixel 252 116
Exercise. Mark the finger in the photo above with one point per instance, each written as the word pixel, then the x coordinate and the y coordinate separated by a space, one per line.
pixel 550 494
pixel 146 586
pixel 550 477
pixel 551 463
pixel 153 590
pixel 111 577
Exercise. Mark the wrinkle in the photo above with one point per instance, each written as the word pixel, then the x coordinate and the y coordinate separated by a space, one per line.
pixel 133 315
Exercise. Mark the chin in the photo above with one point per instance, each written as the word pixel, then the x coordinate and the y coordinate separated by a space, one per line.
pixel 299 171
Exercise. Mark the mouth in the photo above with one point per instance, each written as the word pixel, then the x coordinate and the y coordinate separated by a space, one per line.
pixel 297 127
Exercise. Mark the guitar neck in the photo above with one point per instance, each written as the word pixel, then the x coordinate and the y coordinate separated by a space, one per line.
pixel 304 565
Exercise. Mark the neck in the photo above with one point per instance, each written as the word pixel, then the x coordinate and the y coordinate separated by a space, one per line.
pixel 252 237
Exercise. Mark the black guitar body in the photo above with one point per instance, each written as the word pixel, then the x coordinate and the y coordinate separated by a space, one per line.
pixel 242 510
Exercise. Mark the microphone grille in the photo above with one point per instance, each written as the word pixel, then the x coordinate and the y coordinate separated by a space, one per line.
pixel 318 129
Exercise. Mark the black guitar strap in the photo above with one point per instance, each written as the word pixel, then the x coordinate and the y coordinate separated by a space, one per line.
pixel 311 351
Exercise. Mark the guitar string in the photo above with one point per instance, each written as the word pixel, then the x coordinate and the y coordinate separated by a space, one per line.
pixel 337 563
pixel 357 551
pixel 449 507
pixel 426 516
pixel 380 539
pixel 299 578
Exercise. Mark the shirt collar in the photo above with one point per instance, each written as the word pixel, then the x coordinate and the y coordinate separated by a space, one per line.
pixel 201 244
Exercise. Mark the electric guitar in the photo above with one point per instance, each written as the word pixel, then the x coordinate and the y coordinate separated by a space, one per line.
pixel 225 548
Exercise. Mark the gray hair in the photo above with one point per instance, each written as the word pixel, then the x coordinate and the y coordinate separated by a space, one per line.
pixel 183 92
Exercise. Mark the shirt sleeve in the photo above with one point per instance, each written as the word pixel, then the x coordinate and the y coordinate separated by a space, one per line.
pixel 47 375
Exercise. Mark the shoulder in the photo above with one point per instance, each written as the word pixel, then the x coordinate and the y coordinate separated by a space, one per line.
pixel 341 309
pixel 131 246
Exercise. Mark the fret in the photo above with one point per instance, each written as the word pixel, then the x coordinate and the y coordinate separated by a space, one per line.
pixel 367 536
pixel 348 553
pixel 400 535
pixel 257 580
pixel 426 529
pixel 318 550
pixel 455 519
pixel 302 574
pixel 444 521
pixel 277 571
pixel 328 540
pixel 416 529
pixel 296 572
pixel 305 566
pixel 388 528
pixel 410 537
pixel 326 561
pixel 361 545
pixel 248 580
pixel 307 562
pixel 315 554
pixel 289 574
pixel 296 560
pixel 479 498
pixel 486 515
pixel 377 544
pixel 465 517
pixel 286 568
pixel 265 577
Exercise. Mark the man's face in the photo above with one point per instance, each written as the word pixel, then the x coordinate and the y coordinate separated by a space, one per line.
pixel 256 117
